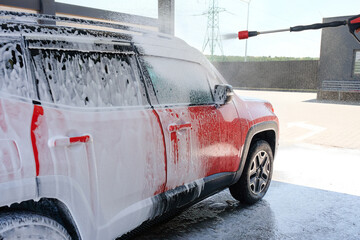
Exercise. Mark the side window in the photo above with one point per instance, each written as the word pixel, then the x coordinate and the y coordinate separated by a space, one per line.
pixel 213 75
pixel 177 81
pixel 87 79
pixel 13 78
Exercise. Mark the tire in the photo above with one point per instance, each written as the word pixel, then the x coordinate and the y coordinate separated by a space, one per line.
pixel 30 226
pixel 256 177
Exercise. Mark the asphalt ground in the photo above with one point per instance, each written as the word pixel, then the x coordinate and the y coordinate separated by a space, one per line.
pixel 315 192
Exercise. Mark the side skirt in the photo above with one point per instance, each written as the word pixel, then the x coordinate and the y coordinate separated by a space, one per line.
pixel 168 204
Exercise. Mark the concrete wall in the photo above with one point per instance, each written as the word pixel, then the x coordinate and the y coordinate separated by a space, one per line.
pixel 337 56
pixel 337 53
pixel 287 75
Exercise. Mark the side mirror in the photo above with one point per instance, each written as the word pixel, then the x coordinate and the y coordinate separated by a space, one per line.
pixel 223 93
pixel 354 27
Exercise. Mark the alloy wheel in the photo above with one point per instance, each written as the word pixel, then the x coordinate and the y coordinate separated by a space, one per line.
pixel 259 172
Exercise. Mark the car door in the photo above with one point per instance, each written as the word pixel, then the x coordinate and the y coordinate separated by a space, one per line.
pixel 97 138
pixel 231 126
pixel 196 144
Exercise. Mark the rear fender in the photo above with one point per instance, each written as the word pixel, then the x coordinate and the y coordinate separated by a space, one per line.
pixel 70 193
pixel 17 191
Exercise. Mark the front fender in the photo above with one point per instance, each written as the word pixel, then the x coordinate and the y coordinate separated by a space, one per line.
pixel 255 129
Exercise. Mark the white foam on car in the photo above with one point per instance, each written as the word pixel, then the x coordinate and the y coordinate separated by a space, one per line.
pixel 107 175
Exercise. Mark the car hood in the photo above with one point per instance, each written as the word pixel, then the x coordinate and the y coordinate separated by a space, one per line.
pixel 258 108
pixel 251 99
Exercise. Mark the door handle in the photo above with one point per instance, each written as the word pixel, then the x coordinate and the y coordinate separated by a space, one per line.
pixel 178 127
pixel 68 141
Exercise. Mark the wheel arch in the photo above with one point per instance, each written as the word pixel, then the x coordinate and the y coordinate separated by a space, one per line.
pixel 269 136
pixel 48 207
pixel 267 131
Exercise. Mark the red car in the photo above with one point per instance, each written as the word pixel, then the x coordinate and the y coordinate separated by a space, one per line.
pixel 103 131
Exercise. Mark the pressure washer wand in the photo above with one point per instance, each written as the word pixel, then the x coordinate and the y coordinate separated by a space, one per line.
pixel 353 23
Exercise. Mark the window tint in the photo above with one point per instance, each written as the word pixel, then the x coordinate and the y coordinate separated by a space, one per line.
pixel 13 78
pixel 177 81
pixel 87 79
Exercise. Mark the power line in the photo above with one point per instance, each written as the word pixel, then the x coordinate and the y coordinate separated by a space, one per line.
pixel 212 36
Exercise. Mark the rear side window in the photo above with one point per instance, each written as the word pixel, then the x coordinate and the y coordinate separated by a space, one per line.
pixel 87 78
pixel 13 78
pixel 176 81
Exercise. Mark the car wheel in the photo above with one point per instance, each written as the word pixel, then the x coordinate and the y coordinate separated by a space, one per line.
pixel 256 177
pixel 30 226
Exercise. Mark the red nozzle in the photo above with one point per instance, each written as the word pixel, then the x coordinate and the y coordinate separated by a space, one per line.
pixel 243 35
pixel 247 34
pixel 356 20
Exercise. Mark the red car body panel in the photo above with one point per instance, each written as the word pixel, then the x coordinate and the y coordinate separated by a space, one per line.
pixel 201 141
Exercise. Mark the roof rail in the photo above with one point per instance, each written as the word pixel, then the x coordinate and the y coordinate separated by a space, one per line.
pixel 51 18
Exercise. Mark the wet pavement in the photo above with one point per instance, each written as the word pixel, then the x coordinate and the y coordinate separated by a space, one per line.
pixel 287 212
pixel 291 209
pixel 315 192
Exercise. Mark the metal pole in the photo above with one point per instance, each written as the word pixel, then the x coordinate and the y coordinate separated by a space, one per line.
pixel 166 16
pixel 212 29
pixel 247 28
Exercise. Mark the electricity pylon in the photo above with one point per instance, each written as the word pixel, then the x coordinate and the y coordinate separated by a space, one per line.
pixel 212 36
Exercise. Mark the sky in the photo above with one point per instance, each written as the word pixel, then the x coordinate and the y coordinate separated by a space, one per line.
pixel 191 22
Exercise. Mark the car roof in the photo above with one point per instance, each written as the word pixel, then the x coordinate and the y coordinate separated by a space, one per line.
pixel 148 42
